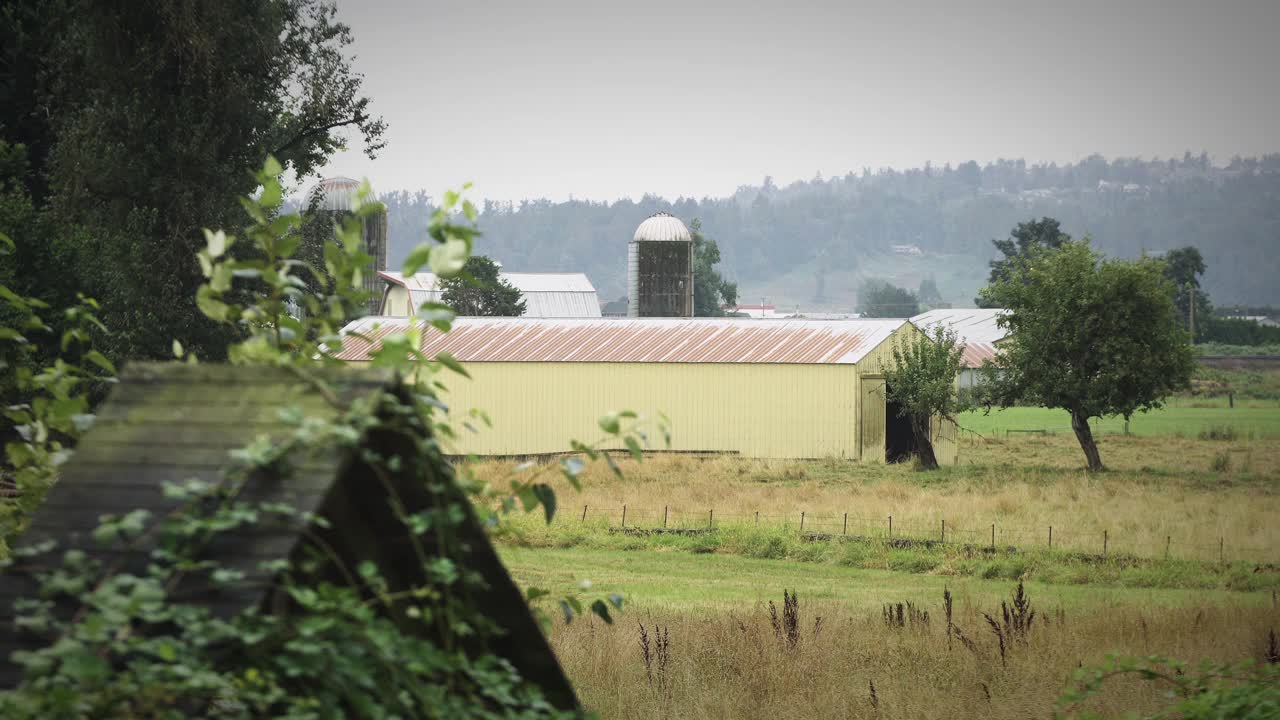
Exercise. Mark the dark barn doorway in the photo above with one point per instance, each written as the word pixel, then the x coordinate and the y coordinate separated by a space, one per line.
pixel 899 441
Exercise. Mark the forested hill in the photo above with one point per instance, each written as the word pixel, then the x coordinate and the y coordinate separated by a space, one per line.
pixel 812 243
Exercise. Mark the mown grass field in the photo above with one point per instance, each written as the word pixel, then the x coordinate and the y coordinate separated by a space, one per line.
pixel 1184 417
pixel 709 593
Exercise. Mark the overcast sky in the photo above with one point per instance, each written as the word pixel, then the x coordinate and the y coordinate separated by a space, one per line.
pixel 601 99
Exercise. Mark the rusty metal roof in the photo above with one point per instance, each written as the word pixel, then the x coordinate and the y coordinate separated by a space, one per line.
pixel 634 340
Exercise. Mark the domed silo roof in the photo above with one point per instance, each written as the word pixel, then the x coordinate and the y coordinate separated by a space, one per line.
pixel 337 194
pixel 662 227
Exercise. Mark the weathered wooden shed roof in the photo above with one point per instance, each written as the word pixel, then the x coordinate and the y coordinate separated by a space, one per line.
pixel 169 423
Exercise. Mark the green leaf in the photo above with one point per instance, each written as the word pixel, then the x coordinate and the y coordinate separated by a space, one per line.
pixel 634 446
pixel 610 423
pixel 271 167
pixel 101 361
pixel 212 307
pixel 418 257
pixel 600 608
pixel 547 497
pixel 447 260
pixel 448 361
pixel 177 348
pixel 6 244
pixel 218 242
pixel 534 593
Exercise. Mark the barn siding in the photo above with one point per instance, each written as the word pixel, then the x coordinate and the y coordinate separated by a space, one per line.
pixel 759 410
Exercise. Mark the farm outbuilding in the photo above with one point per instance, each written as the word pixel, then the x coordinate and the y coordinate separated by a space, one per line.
pixel 544 294
pixel 976 328
pixel 172 424
pixel 761 388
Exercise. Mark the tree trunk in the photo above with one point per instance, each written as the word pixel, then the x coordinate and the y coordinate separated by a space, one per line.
pixel 1084 434
pixel 924 443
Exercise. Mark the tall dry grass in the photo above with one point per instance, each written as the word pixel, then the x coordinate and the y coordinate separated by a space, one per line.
pixel 1157 489
pixel 739 665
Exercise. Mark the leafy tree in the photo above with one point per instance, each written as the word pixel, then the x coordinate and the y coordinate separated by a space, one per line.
pixel 711 292
pixel 928 293
pixel 480 291
pixel 1184 266
pixel 1092 336
pixel 139 119
pixel 922 381
pixel 140 646
pixel 1022 240
pixel 879 298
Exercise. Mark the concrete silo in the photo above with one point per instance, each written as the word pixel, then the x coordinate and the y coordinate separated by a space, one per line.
pixel 336 197
pixel 660 269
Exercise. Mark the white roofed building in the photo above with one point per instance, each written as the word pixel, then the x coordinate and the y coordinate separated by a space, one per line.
pixel 976 328
pixel 545 295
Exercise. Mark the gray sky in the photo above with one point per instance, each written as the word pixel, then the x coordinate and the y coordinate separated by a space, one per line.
pixel 601 99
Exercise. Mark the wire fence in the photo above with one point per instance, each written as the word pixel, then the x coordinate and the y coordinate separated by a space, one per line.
pixel 1102 543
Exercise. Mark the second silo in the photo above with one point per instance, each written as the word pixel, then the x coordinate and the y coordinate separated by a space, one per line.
pixel 660 269
pixel 336 197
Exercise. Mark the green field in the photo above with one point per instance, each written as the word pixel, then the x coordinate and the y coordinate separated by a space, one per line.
pixel 683 581
pixel 1182 418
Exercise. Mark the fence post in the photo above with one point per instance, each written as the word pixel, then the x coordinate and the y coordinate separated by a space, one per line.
pixel 711 518
pixel 584 513
pixel 1167 539
pixel 1104 543
pixel 801 521
pixel 944 530
pixel 845 531
pixel 1220 555
pixel 664 517
pixel 1050 537
pixel 757 518
pixel 993 536
pixel 624 515
pixel 890 527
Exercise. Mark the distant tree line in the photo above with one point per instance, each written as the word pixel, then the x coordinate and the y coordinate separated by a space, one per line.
pixel 809 228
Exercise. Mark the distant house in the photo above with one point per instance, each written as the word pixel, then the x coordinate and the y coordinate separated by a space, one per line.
pixel 544 294
pixel 907 250
pixel 976 328
pixel 754 311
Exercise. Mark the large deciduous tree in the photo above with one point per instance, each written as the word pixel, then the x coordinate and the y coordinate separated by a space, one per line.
pixel 140 119
pixel 481 291
pixel 711 292
pixel 1089 335
pixel 1024 239
pixel 922 381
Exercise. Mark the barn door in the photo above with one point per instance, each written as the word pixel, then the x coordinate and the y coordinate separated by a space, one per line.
pixel 872 420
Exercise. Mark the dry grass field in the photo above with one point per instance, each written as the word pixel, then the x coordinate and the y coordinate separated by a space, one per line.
pixel 707 596
pixel 1196 497
pixel 734 665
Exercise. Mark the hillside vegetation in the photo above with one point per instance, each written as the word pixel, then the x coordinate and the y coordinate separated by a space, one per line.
pixel 813 243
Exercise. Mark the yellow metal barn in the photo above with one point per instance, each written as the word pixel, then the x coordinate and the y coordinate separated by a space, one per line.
pixel 759 388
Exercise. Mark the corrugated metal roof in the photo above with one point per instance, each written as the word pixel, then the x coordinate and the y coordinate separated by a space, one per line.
pixel 545 294
pixel 662 227
pixel 648 340
pixel 975 327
